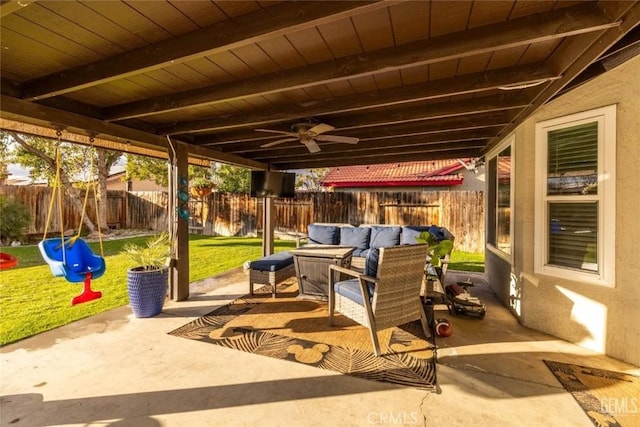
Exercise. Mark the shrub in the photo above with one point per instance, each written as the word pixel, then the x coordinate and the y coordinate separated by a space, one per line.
pixel 14 219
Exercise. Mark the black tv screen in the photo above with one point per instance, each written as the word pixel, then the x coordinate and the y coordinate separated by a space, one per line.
pixel 272 184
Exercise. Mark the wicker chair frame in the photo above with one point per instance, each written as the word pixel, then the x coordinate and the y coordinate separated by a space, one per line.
pixel 396 298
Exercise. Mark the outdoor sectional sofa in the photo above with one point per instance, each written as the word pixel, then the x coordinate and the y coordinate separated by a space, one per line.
pixel 366 239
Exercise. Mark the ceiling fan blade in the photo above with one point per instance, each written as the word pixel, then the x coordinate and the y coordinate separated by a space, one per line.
pixel 321 128
pixel 338 138
pixel 279 141
pixel 311 144
pixel 280 132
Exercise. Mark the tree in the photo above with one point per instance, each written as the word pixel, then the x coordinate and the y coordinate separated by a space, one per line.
pixel 147 168
pixel 232 179
pixel 38 155
pixel 311 179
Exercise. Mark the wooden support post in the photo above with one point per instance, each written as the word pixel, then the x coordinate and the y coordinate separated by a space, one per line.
pixel 267 226
pixel 179 274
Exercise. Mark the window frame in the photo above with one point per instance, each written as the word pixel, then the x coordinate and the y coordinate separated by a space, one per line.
pixel 492 218
pixel 605 197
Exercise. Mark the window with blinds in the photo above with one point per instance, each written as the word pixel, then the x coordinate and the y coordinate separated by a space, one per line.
pixel 575 196
pixel 572 162
pixel 499 198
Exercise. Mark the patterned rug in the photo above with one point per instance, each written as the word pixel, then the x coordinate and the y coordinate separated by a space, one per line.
pixel 297 330
pixel 610 399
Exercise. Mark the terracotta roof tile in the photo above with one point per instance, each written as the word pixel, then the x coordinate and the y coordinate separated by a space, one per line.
pixel 425 173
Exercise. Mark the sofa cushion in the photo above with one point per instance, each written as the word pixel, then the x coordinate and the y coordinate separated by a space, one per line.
pixel 272 262
pixel 371 256
pixel 357 237
pixel 411 232
pixel 351 289
pixel 440 233
pixel 382 237
pixel 323 234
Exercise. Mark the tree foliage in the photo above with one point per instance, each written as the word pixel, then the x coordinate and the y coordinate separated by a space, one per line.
pixel 38 155
pixel 232 179
pixel 311 179
pixel 14 219
pixel 147 168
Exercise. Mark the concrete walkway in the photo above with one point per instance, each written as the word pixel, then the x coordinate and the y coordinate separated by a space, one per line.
pixel 115 370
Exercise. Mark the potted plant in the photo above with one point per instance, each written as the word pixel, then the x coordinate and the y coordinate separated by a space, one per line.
pixel 201 186
pixel 147 282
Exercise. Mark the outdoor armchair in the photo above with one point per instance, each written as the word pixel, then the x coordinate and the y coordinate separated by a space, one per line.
pixel 391 298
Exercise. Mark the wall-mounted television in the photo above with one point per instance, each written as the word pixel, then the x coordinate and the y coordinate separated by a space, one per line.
pixel 273 184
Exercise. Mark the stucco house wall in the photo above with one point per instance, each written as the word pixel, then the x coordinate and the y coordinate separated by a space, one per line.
pixel 602 318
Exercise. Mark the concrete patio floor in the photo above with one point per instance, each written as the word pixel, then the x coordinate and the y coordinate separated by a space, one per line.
pixel 115 370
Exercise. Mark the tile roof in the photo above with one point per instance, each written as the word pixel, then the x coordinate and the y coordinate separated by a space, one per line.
pixel 425 173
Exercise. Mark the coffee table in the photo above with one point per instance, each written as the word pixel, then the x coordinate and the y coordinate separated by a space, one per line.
pixel 312 268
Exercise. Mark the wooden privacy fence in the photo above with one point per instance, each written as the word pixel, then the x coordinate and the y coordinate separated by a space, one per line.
pixel 37 200
pixel 462 212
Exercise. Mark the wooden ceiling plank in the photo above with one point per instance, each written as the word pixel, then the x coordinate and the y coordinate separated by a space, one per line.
pixel 532 29
pixel 379 154
pixel 397 130
pixel 442 153
pixel 163 13
pixel 374 31
pixel 390 145
pixel 260 62
pixel 341 39
pixel 437 89
pixel 410 21
pixel 585 50
pixel 243 30
pixel 390 117
pixel 281 51
pixel 449 17
pixel 30 112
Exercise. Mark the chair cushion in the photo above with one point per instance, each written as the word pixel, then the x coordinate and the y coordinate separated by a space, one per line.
pixel 371 256
pixel 411 232
pixel 357 237
pixel 351 289
pixel 272 262
pixel 323 234
pixel 383 237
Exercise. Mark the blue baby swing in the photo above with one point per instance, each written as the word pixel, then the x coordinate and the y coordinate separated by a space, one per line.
pixel 71 257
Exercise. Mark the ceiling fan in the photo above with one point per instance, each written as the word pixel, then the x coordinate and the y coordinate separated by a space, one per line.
pixel 309 134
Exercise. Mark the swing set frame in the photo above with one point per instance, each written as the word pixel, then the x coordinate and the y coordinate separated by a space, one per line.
pixel 71 257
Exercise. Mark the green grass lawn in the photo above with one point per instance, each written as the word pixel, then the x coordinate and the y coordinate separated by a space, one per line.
pixel 33 301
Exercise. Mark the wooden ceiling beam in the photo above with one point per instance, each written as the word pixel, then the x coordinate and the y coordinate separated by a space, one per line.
pixel 445 151
pixel 467 84
pixel 388 117
pixel 406 130
pixel 30 112
pixel 560 23
pixel 296 150
pixel 241 31
pixel 7 7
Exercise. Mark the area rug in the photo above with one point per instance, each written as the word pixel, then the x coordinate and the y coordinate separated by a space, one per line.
pixel 297 330
pixel 610 399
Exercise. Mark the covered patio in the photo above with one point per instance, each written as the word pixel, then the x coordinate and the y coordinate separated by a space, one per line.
pixel 114 369
pixel 214 80
pixel 228 81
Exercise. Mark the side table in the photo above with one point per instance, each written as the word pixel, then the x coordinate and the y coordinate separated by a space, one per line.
pixel 312 267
